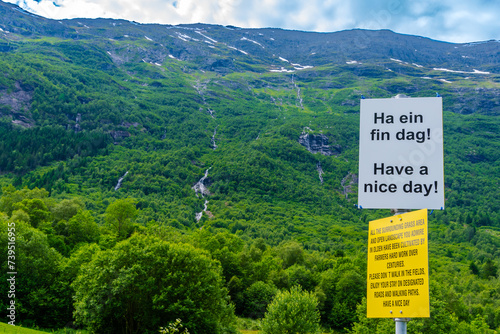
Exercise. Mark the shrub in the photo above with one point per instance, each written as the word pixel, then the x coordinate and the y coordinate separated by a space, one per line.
pixel 292 312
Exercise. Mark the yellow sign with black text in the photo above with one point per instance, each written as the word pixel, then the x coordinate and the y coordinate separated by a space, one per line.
pixel 398 267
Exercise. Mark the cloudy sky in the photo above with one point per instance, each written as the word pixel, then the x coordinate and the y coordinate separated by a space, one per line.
pixel 446 20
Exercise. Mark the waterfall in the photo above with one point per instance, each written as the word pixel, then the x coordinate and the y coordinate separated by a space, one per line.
pixel 320 171
pixel 214 145
pixel 119 184
pixel 199 187
pixel 298 93
pixel 200 214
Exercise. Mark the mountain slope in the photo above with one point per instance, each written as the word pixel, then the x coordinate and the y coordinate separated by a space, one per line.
pixel 265 121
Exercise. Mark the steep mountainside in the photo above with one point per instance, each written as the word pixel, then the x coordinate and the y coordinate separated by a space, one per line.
pixel 210 89
pixel 250 132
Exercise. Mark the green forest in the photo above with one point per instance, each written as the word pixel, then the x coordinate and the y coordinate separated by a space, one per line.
pixel 99 163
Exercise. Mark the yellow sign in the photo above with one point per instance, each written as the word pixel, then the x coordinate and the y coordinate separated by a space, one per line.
pixel 398 267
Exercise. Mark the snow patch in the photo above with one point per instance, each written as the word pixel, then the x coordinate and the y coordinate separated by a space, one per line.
pixel 282 70
pixel 352 62
pixel 300 67
pixel 283 59
pixel 210 39
pixel 480 72
pixel 232 47
pixel 149 39
pixel 453 71
pixel 250 40
pixel 185 37
pixel 399 61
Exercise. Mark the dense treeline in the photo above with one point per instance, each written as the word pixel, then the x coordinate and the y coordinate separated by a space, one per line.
pixel 23 150
pixel 73 263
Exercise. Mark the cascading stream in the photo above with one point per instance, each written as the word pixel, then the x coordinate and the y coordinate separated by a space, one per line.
pixel 320 172
pixel 214 145
pixel 200 188
pixel 119 184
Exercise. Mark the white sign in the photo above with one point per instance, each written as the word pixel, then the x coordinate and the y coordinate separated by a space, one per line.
pixel 401 153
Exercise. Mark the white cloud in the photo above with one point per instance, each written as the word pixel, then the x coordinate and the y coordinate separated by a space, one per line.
pixel 449 20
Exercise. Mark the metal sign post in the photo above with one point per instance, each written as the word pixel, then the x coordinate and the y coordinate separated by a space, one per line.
pixel 401 325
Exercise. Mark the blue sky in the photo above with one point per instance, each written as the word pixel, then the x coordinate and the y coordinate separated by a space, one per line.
pixel 457 21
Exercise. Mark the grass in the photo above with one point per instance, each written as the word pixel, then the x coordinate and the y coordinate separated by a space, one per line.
pixel 6 328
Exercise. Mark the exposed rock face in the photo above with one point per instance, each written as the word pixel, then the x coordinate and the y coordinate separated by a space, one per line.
pixel 348 182
pixel 119 135
pixel 18 100
pixel 318 144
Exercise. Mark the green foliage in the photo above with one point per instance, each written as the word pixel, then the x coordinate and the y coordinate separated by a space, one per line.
pixel 256 298
pixel 67 208
pixel 341 289
pixel 38 298
pixel 119 216
pixel 144 282
pixel 81 228
pixel 293 311
pixel 174 327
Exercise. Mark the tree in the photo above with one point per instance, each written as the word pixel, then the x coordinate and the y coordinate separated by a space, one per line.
pixel 36 209
pixel 37 300
pixel 256 298
pixel 11 197
pixel 489 269
pixel 473 268
pixel 67 208
pixel 82 228
pixel 143 283
pixel 343 288
pixel 292 253
pixel 119 215
pixel 292 312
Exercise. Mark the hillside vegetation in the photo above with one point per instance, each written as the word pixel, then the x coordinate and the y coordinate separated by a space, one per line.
pixel 155 173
